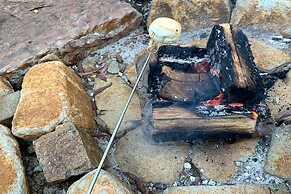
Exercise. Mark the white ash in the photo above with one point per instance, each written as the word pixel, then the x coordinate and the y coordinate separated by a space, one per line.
pixel 252 170
pixel 128 47
pixel 190 60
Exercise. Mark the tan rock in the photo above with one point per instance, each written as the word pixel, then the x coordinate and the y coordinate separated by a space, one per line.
pixel 267 57
pixel 272 15
pixel 216 160
pixel 105 184
pixel 66 152
pixel 8 106
pixel 112 101
pixel 192 14
pixel 84 26
pixel 279 96
pixel 12 179
pixel 51 94
pixel 152 162
pixel 279 156
pixel 226 189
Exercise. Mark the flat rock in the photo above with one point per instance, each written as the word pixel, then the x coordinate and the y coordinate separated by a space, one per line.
pixel 267 57
pixel 279 96
pixel 192 14
pixel 5 87
pixel 66 152
pixel 8 106
pixel 226 189
pixel 12 179
pixel 216 159
pixel 112 101
pixel 279 156
pixel 70 30
pixel 271 15
pixel 51 94
pixel 105 184
pixel 152 162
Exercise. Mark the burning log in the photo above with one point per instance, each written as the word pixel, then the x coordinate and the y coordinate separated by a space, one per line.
pixel 232 63
pixel 181 123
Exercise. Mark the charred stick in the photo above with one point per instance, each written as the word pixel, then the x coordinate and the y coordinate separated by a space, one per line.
pixel 99 90
pixel 138 181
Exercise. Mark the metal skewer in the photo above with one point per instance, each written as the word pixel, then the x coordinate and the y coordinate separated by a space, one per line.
pixel 161 30
pixel 117 126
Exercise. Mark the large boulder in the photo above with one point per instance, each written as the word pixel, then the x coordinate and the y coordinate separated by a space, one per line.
pixel 12 179
pixel 68 29
pixel 105 184
pixel 192 14
pixel 271 15
pixel 51 94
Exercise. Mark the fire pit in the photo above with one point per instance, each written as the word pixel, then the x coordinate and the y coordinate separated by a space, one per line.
pixel 217 92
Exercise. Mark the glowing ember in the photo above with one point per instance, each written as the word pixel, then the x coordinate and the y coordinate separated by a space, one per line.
pixel 201 67
pixel 236 104
pixel 255 115
pixel 216 101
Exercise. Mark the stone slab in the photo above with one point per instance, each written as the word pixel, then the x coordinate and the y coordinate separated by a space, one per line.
pixel 152 162
pixel 13 178
pixel 31 29
pixel 279 96
pixel 279 156
pixel 112 101
pixel 66 152
pixel 271 15
pixel 266 56
pixel 216 159
pixel 51 94
pixel 105 184
pixel 193 14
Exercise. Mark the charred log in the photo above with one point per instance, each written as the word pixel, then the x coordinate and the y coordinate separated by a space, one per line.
pixel 172 122
pixel 233 68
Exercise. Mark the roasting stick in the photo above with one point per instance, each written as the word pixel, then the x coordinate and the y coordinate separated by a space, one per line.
pixel 162 31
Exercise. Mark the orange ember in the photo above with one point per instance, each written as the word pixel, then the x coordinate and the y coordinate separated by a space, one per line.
pixel 216 101
pixel 255 115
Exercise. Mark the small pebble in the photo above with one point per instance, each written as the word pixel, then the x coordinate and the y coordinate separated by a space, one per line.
pixel 204 182
pixel 114 67
pixel 187 166
pixel 192 178
pixel 211 183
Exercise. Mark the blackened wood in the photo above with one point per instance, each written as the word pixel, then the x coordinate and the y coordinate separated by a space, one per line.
pixel 173 123
pixel 233 67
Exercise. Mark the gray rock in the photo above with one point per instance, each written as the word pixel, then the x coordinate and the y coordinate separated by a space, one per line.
pixel 5 87
pixel 13 178
pixel 8 106
pixel 114 67
pixel 66 152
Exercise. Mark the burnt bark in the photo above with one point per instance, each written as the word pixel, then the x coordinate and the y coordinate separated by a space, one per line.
pixel 233 68
pixel 181 123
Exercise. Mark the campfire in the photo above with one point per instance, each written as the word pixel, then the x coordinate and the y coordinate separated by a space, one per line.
pixel 213 92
